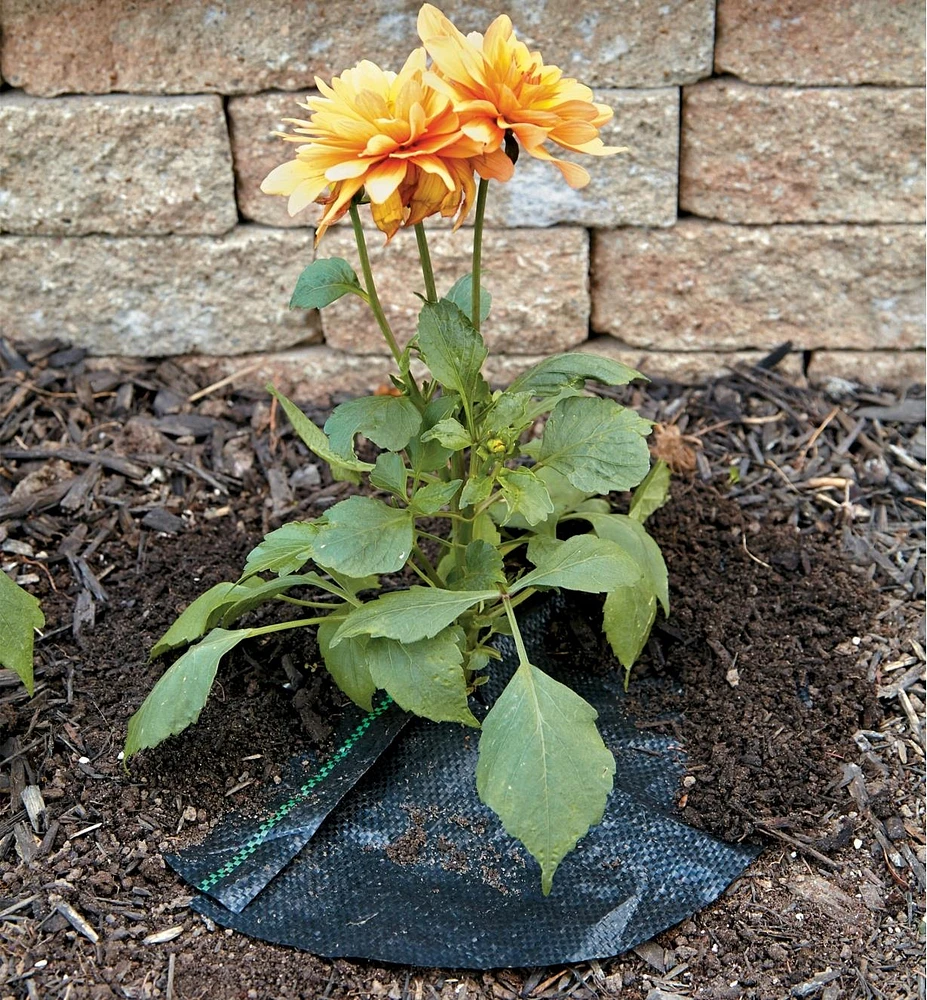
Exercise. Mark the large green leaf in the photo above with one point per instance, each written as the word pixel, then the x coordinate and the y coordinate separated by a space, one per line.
pixel 389 421
pixel 652 493
pixel 597 444
pixel 314 437
pixel 549 376
pixel 627 618
pixel 523 493
pixel 543 768
pixel 197 618
pixel 424 677
pixel 410 615
pixel 283 550
pixel 482 568
pixel 176 701
pixel 390 474
pixel 452 349
pixel 347 663
pixel 431 498
pixel 461 294
pixel 451 433
pixel 323 282
pixel 362 536
pixel 583 562
pixel 20 616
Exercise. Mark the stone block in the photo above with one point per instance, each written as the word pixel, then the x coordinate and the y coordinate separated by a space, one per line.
pixel 119 165
pixel 239 47
pixel 637 188
pixel 539 280
pixel 157 295
pixel 813 43
pixel 782 154
pixel 708 287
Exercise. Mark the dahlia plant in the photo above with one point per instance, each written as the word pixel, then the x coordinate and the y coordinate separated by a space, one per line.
pixel 451 452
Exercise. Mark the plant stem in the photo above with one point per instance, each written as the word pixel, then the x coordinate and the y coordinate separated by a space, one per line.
pixel 477 254
pixel 372 296
pixel 281 626
pixel 307 604
pixel 431 292
pixel 426 566
pixel 516 633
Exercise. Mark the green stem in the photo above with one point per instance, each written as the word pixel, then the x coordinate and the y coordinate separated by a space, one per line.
pixel 477 254
pixel 307 604
pixel 429 570
pixel 372 296
pixel 516 633
pixel 281 626
pixel 428 273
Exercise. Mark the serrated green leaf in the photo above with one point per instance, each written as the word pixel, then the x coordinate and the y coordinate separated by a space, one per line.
pixel 410 615
pixel 324 282
pixel 483 527
pixel 283 550
pixel 523 493
pixel 476 491
pixel 543 768
pixel 652 493
pixel 549 376
pixel 176 701
pixel 362 536
pixel 597 444
pixel 482 570
pixel 424 677
pixel 452 349
pixel 315 439
pixel 196 619
pixel 584 562
pixel 450 432
pixel 512 411
pixel 347 663
pixel 390 474
pixel 461 294
pixel 389 421
pixel 627 617
pixel 20 615
pixel 432 455
pixel 431 498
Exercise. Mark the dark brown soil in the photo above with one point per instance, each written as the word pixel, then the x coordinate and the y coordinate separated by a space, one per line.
pixel 765 672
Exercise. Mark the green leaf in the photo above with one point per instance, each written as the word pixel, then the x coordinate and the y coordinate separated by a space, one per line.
pixel 476 490
pixel 652 493
pixel 450 432
pixel 431 498
pixel 362 536
pixel 254 592
pixel 543 768
pixel 510 411
pixel 20 616
pixel 627 618
pixel 347 663
pixel 483 527
pixel 282 551
pixel 549 376
pixel 461 294
pixel 176 701
pixel 389 421
pixel 323 282
pixel 633 538
pixel 390 474
pixel 583 562
pixel 483 568
pixel 432 455
pixel 410 615
pixel 597 444
pixel 196 619
pixel 424 677
pixel 523 493
pixel 314 437
pixel 452 349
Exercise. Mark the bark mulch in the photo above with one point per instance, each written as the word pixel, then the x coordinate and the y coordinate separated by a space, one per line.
pixel 791 669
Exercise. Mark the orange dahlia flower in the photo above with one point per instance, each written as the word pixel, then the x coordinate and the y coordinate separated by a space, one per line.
pixel 497 85
pixel 391 134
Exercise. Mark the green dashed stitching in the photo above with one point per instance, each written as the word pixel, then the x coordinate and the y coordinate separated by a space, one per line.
pixel 260 835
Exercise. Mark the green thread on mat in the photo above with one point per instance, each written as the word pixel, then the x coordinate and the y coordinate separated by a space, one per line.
pixel 260 835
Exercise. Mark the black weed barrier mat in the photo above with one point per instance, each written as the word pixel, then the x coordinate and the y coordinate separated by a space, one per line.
pixel 409 866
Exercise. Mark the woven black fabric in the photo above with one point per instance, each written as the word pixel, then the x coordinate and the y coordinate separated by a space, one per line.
pixel 412 868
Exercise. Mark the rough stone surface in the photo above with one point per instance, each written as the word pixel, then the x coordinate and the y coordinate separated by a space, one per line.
pixel 777 154
pixel 120 165
pixel 235 46
pixel 157 295
pixel 707 286
pixel 637 188
pixel 538 280
pixel 815 42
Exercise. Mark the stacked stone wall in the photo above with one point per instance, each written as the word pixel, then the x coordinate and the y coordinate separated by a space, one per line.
pixel 773 187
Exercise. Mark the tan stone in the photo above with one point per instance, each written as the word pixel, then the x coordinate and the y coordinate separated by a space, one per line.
pixel 815 42
pixel 538 280
pixel 120 164
pixel 636 188
pixel 157 295
pixel 237 47
pixel 782 154
pixel 708 286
